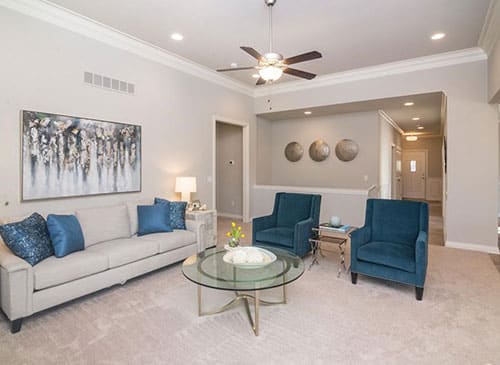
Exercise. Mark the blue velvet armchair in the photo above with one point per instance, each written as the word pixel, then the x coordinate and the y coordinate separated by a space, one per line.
pixel 290 225
pixel 392 244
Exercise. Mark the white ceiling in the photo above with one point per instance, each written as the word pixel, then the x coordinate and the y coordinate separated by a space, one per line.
pixel 349 33
pixel 427 107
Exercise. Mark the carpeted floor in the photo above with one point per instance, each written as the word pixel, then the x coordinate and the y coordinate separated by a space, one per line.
pixel 153 320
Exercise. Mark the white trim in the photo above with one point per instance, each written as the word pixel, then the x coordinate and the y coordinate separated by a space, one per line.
pixel 227 215
pixel 391 121
pixel 372 72
pixel 491 28
pixel 77 23
pixel 308 189
pixel 472 247
pixel 246 162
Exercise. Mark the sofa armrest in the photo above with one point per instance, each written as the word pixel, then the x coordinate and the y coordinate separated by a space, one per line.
pixel 261 223
pixel 421 257
pixel 16 285
pixel 199 229
pixel 303 231
pixel 359 237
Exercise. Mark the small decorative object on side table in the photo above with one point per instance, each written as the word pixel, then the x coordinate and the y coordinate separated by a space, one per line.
pixel 326 233
pixel 209 229
pixel 234 236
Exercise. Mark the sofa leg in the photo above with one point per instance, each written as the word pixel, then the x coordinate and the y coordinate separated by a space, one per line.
pixel 15 325
pixel 354 277
pixel 419 293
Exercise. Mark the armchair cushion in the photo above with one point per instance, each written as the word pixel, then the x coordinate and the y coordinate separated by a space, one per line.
pixel 292 209
pixel 280 235
pixel 388 254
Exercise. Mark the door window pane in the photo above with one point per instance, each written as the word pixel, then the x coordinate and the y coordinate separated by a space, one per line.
pixel 413 166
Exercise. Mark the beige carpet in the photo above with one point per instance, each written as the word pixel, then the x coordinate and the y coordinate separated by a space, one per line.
pixel 153 320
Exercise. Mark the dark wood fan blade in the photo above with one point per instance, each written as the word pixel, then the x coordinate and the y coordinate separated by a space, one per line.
pixel 302 57
pixel 299 73
pixel 260 81
pixel 235 69
pixel 252 52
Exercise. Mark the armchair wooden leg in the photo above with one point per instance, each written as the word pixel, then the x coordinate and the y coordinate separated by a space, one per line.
pixel 354 277
pixel 419 293
pixel 15 325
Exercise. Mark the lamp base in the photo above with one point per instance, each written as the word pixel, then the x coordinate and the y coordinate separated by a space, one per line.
pixel 186 197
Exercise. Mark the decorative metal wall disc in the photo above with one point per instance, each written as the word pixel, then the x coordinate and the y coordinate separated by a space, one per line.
pixel 346 150
pixel 319 150
pixel 294 151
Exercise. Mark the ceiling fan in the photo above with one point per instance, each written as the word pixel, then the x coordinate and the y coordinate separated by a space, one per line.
pixel 272 65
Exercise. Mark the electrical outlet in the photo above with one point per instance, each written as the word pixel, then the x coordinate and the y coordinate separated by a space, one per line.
pixel 232 203
pixel 209 179
pixel 365 178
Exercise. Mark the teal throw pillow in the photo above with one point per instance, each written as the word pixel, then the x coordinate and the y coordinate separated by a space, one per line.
pixel 177 213
pixel 28 239
pixel 153 219
pixel 65 233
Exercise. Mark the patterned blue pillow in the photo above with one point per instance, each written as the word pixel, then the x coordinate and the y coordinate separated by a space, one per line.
pixel 28 239
pixel 177 213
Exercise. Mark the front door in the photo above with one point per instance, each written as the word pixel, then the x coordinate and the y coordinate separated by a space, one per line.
pixel 414 174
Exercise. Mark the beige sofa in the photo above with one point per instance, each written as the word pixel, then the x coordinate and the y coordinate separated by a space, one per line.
pixel 113 254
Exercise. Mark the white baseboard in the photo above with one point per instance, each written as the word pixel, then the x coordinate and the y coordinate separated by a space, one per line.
pixel 472 247
pixel 228 215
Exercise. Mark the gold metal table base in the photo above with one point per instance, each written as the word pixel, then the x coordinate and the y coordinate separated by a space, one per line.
pixel 254 322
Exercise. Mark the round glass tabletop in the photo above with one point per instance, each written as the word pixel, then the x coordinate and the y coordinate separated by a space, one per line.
pixel 208 269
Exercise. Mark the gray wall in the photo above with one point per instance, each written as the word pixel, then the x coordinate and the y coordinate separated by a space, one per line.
pixel 434 153
pixel 330 173
pixel 229 177
pixel 471 212
pixel 264 151
pixel 41 69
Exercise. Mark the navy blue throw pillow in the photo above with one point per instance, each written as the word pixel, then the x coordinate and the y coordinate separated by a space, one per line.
pixel 65 233
pixel 177 213
pixel 153 219
pixel 28 239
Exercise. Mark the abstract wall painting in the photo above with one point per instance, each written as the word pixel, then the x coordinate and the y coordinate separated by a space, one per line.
pixel 65 156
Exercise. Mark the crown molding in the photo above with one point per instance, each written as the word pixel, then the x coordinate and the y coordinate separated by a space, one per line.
pixel 387 69
pixel 391 121
pixel 490 33
pixel 64 18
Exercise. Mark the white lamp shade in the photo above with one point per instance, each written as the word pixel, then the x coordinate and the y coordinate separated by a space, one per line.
pixel 271 73
pixel 185 184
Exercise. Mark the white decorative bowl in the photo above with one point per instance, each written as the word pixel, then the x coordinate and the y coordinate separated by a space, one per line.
pixel 247 257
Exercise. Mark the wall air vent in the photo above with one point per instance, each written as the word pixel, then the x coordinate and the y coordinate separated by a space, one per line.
pixel 108 83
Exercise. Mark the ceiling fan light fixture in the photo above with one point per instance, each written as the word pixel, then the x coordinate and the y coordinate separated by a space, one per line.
pixel 270 73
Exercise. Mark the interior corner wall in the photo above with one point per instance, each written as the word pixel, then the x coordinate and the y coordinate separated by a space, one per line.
pixel 494 73
pixel 471 211
pixel 332 172
pixel 41 69
pixel 388 137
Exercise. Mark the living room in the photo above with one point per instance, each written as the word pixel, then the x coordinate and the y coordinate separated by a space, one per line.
pixel 372 54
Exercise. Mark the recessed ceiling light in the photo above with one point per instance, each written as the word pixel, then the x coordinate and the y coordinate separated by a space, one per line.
pixel 307 112
pixel 256 76
pixel 437 36
pixel 177 37
pixel 415 118
pixel 234 65
pixel 411 138
pixel 420 127
pixel 409 103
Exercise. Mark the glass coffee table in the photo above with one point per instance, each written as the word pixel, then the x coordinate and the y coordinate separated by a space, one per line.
pixel 207 269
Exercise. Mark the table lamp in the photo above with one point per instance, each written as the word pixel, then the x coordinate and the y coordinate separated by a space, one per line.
pixel 185 185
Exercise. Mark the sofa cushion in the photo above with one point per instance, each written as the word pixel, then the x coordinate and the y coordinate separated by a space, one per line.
pixel 177 212
pixel 132 214
pixel 394 255
pixel 172 240
pixel 292 209
pixel 280 235
pixel 124 251
pixel 55 271
pixel 28 239
pixel 153 219
pixel 65 233
pixel 104 224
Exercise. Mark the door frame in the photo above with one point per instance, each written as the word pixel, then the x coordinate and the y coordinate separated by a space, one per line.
pixel 394 149
pixel 246 162
pixel 426 152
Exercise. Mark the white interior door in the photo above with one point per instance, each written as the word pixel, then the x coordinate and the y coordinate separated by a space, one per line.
pixel 397 165
pixel 414 174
